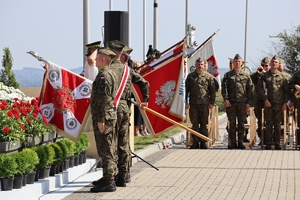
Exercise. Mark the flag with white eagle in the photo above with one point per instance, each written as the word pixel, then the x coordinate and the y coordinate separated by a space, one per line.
pixel 65 100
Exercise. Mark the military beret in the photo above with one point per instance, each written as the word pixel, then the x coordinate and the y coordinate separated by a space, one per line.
pixel 275 58
pixel 230 60
pixel 265 60
pixel 106 51
pixel 93 45
pixel 237 56
pixel 115 45
pixel 127 50
pixel 200 59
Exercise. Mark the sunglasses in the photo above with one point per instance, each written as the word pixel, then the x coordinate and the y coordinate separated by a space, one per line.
pixel 265 65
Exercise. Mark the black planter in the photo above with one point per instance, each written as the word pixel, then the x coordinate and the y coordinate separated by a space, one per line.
pixel 30 177
pixel 7 184
pixel 18 182
pixel 24 182
pixel 71 162
pixel 80 161
pixel 47 171
pixel 84 155
pixel 76 160
pixel 37 175
pixel 53 170
pixel 42 173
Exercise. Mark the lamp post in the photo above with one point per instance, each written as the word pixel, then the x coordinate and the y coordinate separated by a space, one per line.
pixel 246 21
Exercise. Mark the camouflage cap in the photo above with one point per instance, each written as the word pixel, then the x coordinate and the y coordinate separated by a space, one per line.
pixel 275 58
pixel 93 45
pixel 237 56
pixel 230 60
pixel 115 45
pixel 106 51
pixel 265 60
pixel 127 50
pixel 200 60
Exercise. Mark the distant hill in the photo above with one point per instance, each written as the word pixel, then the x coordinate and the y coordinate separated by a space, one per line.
pixel 33 77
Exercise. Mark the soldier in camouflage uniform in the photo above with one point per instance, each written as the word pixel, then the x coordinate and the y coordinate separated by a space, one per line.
pixel 123 110
pixel 258 101
pixel 200 90
pixel 104 119
pixel 236 92
pixel 273 87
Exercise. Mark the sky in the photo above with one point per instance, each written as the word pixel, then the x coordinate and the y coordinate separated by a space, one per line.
pixel 54 29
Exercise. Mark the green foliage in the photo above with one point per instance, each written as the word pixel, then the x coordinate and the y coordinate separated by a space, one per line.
pixel 219 102
pixel 7 75
pixel 43 156
pixel 58 158
pixel 21 160
pixel 50 154
pixel 289 48
pixel 8 166
pixel 78 148
pixel 84 140
pixel 32 159
pixel 64 149
pixel 71 146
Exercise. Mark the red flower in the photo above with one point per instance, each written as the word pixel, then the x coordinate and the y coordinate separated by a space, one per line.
pixel 10 113
pixel 45 119
pixel 35 115
pixel 6 129
pixel 22 126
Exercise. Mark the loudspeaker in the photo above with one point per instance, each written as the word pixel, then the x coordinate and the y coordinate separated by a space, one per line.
pixel 116 26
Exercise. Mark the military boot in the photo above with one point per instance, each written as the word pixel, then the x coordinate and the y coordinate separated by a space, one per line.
pixel 105 186
pixel 203 145
pixel 195 145
pixel 98 182
pixel 232 145
pixel 277 146
pixel 241 145
pixel 128 178
pixel 121 182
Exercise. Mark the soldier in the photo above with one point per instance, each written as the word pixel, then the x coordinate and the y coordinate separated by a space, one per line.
pixel 104 118
pixel 236 92
pixel 200 91
pixel 90 69
pixel 123 111
pixel 273 88
pixel 258 101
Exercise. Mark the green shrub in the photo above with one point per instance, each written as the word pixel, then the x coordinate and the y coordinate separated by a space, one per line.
pixel 64 149
pixel 71 146
pixel 58 158
pixel 32 159
pixel 22 163
pixel 84 140
pixel 8 166
pixel 42 154
pixel 50 154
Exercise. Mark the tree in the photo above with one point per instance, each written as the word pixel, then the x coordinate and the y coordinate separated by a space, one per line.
pixel 289 48
pixel 7 76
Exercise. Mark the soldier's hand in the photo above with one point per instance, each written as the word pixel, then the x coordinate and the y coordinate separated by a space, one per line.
pixel 267 104
pixel 290 105
pixel 187 105
pixel 283 107
pixel 101 127
pixel 143 105
pixel 247 107
pixel 227 103
pixel 210 106
pixel 297 88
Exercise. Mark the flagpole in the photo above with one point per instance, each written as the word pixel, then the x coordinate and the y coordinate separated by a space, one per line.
pixel 173 122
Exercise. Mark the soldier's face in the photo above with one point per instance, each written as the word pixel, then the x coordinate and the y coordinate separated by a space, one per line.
pixel 100 60
pixel 265 66
pixel 237 63
pixel 281 67
pixel 274 64
pixel 199 67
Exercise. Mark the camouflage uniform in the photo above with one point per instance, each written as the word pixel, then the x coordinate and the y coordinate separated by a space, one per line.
pixel 123 114
pixel 237 89
pixel 102 109
pixel 200 90
pixel 273 87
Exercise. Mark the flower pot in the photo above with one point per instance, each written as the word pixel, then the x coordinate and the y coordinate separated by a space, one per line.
pixel 47 171
pixel 7 184
pixel 53 170
pixel 84 155
pixel 30 177
pixel 76 160
pixel 80 161
pixel 8 147
pixel 31 141
pixel 71 162
pixel 37 175
pixel 24 182
pixel 42 173
pixel 48 137
pixel 17 184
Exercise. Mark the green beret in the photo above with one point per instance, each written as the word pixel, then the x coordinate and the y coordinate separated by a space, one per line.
pixel 106 51
pixel 127 50
pixel 200 60
pixel 275 58
pixel 237 56
pixel 115 45
pixel 93 45
pixel 265 60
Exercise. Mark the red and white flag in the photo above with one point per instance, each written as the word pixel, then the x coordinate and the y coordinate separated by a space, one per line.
pixel 164 76
pixel 207 52
pixel 65 100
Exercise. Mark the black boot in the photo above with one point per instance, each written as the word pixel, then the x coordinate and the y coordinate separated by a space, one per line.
pixel 121 182
pixel 268 147
pixel 98 182
pixel 105 186
pixel 128 178
pixel 195 145
pixel 232 146
pixel 203 145
pixel 277 146
pixel 241 145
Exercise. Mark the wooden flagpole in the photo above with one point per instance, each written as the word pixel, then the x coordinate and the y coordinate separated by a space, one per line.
pixel 172 121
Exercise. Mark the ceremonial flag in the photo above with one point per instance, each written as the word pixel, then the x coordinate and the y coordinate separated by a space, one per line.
pixel 205 51
pixel 65 100
pixel 165 78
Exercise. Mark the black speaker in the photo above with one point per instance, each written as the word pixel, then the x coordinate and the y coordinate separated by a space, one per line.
pixel 116 26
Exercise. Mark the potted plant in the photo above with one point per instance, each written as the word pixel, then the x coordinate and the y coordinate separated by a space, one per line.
pixel 43 157
pixel 65 155
pixel 33 160
pixel 58 159
pixel 71 146
pixel 84 140
pixel 77 151
pixel 8 166
pixel 50 155
pixel 22 163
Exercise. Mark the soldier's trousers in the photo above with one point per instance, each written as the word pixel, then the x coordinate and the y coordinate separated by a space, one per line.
pixel 122 128
pixel 273 118
pixel 198 114
pixel 258 106
pixel 106 144
pixel 236 111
